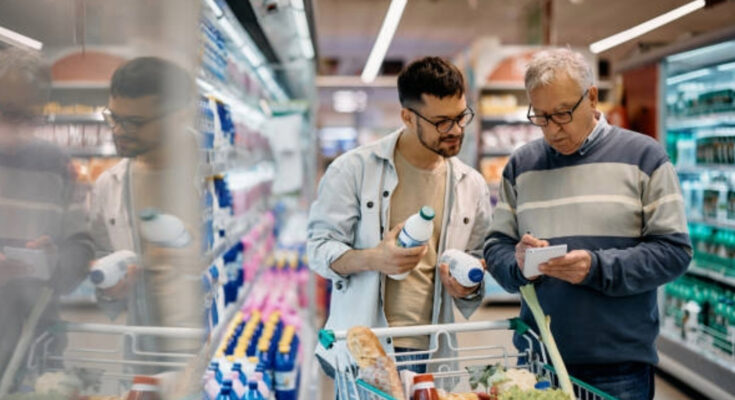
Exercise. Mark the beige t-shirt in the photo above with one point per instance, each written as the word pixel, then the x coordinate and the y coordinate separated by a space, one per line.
pixel 411 301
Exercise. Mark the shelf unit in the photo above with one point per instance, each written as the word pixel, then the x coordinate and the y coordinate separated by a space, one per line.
pixel 696 360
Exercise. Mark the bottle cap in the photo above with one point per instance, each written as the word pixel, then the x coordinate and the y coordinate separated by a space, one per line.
pixel 423 378
pixel 427 213
pixel 96 276
pixel 476 275
pixel 543 385
pixel 149 214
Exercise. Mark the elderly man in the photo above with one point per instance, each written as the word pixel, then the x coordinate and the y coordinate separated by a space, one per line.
pixel 612 196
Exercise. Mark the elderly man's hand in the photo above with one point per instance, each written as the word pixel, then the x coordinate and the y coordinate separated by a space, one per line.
pixel 572 268
pixel 527 242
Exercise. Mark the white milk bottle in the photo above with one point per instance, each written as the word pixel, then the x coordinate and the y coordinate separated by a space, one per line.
pixel 163 230
pixel 416 232
pixel 467 270
pixel 107 271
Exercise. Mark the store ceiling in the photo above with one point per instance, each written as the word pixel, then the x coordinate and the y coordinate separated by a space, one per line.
pixel 346 29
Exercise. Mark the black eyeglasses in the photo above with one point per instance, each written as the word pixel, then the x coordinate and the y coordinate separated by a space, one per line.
pixel 447 124
pixel 560 118
pixel 128 124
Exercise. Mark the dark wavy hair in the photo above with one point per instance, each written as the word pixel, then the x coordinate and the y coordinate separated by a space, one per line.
pixel 153 76
pixel 429 75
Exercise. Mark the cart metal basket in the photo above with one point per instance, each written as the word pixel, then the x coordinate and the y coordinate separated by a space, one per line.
pixel 348 386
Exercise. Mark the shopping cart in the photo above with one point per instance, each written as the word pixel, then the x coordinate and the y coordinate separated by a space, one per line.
pixel 349 386
pixel 108 355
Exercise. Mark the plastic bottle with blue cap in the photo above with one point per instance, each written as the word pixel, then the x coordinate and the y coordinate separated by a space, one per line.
pixel 464 268
pixel 416 232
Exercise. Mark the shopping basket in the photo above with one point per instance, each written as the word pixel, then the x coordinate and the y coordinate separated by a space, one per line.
pixel 348 386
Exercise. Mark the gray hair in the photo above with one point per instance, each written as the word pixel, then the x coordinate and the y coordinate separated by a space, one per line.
pixel 545 66
pixel 16 63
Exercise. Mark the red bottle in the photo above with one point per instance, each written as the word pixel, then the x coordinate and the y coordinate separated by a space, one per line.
pixel 423 388
pixel 144 388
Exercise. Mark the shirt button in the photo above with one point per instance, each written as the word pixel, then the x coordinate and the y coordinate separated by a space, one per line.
pixel 369 204
pixel 386 193
pixel 466 220
pixel 389 340
pixel 112 221
pixel 339 285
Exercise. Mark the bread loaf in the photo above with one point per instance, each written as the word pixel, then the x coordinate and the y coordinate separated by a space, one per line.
pixel 376 368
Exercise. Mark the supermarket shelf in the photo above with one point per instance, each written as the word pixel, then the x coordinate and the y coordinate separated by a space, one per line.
pixel 94 118
pixel 702 121
pixel 504 119
pixel 100 152
pixel 705 372
pixel 700 168
pixel 715 276
pixel 713 222
pixel 234 159
pixel 496 152
pixel 233 237
pixel 81 85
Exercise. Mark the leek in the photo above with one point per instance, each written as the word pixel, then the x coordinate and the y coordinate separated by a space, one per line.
pixel 544 326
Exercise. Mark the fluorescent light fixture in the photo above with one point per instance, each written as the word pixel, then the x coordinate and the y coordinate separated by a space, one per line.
pixel 237 39
pixel 726 67
pixel 216 9
pixel 638 30
pixel 307 48
pixel 700 52
pixel 689 75
pixel 16 39
pixel 377 54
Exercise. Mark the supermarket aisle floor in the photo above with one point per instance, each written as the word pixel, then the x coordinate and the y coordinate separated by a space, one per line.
pixel 664 390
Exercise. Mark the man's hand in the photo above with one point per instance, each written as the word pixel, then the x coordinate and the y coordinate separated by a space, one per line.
pixel 11 269
pixel 452 286
pixel 527 242
pixel 122 289
pixel 391 259
pixel 42 243
pixel 572 268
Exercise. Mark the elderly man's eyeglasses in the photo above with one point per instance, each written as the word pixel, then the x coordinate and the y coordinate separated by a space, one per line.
pixel 560 118
pixel 446 125
pixel 128 124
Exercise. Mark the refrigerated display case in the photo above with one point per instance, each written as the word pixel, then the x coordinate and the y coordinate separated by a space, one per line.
pixel 697 341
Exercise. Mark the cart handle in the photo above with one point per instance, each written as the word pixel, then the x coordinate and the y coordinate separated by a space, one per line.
pixel 327 337
pixel 164 331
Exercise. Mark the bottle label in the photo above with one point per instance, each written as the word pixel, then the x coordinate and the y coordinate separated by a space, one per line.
pixel 406 241
pixel 286 380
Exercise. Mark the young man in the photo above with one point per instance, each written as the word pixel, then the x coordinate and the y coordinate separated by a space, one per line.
pixel 366 195
pixel 150 99
pixel 612 196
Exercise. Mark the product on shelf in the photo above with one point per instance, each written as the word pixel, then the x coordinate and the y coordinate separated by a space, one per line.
pixel 492 168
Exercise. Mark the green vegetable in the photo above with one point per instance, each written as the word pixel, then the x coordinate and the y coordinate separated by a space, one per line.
pixel 544 326
pixel 484 376
pixel 517 394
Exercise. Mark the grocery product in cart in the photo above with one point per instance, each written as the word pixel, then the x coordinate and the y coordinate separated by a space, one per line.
pixel 144 388
pixel 489 372
pixel 423 388
pixel 415 232
pixel 467 270
pixel 376 367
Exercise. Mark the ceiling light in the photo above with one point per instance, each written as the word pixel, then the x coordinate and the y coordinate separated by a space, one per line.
pixel 377 54
pixel 216 9
pixel 726 67
pixel 16 39
pixel 638 30
pixel 689 75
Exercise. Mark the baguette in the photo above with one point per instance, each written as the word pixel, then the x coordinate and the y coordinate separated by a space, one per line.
pixel 376 368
